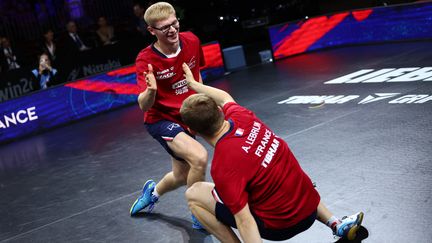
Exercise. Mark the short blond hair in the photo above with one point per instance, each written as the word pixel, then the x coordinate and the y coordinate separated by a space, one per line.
pixel 201 114
pixel 158 11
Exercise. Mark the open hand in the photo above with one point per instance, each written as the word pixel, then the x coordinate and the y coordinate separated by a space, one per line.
pixel 188 74
pixel 150 78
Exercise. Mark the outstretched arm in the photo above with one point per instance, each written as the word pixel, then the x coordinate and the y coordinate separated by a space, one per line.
pixel 221 97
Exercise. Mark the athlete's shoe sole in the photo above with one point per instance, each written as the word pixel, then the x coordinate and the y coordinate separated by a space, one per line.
pixel 352 233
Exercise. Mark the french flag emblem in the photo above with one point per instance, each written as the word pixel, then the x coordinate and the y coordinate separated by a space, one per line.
pixel 239 132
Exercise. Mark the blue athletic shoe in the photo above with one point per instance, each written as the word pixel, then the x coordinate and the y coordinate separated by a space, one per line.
pixel 349 226
pixel 196 224
pixel 146 199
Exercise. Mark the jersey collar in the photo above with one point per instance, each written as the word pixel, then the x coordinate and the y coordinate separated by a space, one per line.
pixel 163 55
pixel 230 129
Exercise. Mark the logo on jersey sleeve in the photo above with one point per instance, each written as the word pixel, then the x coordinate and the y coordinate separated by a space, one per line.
pixel 192 62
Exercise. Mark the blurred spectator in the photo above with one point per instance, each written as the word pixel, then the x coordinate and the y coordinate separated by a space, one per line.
pixel 141 25
pixel 73 40
pixel 105 32
pixel 49 46
pixel 9 57
pixel 43 76
pixel 1 56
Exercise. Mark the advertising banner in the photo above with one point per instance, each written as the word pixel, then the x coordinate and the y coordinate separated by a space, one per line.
pixel 75 100
pixel 383 24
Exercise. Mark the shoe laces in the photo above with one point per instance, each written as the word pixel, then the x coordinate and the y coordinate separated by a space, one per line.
pixel 341 226
pixel 153 201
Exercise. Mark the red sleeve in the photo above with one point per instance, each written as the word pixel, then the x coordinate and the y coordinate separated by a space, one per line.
pixel 202 59
pixel 201 52
pixel 232 109
pixel 141 67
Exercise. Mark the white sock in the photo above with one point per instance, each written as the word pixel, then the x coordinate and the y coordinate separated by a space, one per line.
pixel 332 222
pixel 155 193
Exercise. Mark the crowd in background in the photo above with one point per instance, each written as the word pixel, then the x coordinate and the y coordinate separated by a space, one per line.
pixel 58 46
pixel 60 29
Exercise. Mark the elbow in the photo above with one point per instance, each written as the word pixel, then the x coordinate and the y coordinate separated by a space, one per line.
pixel 243 223
pixel 142 102
pixel 226 99
pixel 142 107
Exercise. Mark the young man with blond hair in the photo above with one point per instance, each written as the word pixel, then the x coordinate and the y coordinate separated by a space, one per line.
pixel 259 187
pixel 160 75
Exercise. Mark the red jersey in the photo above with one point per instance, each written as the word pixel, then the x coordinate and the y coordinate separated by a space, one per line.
pixel 252 165
pixel 172 88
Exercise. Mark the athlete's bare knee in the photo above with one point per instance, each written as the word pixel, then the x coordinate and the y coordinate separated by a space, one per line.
pixel 199 161
pixel 193 191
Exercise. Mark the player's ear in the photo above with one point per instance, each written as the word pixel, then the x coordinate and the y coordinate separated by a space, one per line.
pixel 151 30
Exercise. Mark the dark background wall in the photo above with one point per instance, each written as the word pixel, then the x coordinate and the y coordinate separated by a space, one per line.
pixel 240 22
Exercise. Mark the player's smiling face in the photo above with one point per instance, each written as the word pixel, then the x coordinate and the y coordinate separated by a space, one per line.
pixel 167 30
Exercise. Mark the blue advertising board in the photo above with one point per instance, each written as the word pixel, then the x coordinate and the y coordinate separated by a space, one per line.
pixel 375 25
pixel 75 100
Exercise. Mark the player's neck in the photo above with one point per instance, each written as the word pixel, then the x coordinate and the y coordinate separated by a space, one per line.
pixel 167 49
pixel 222 130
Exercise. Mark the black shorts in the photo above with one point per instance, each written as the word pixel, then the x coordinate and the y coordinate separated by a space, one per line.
pixel 165 131
pixel 224 215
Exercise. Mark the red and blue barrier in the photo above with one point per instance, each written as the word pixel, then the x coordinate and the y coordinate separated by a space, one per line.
pixel 79 99
pixel 375 25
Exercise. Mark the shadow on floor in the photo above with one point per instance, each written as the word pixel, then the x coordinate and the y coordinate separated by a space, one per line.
pixel 189 234
pixel 362 234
